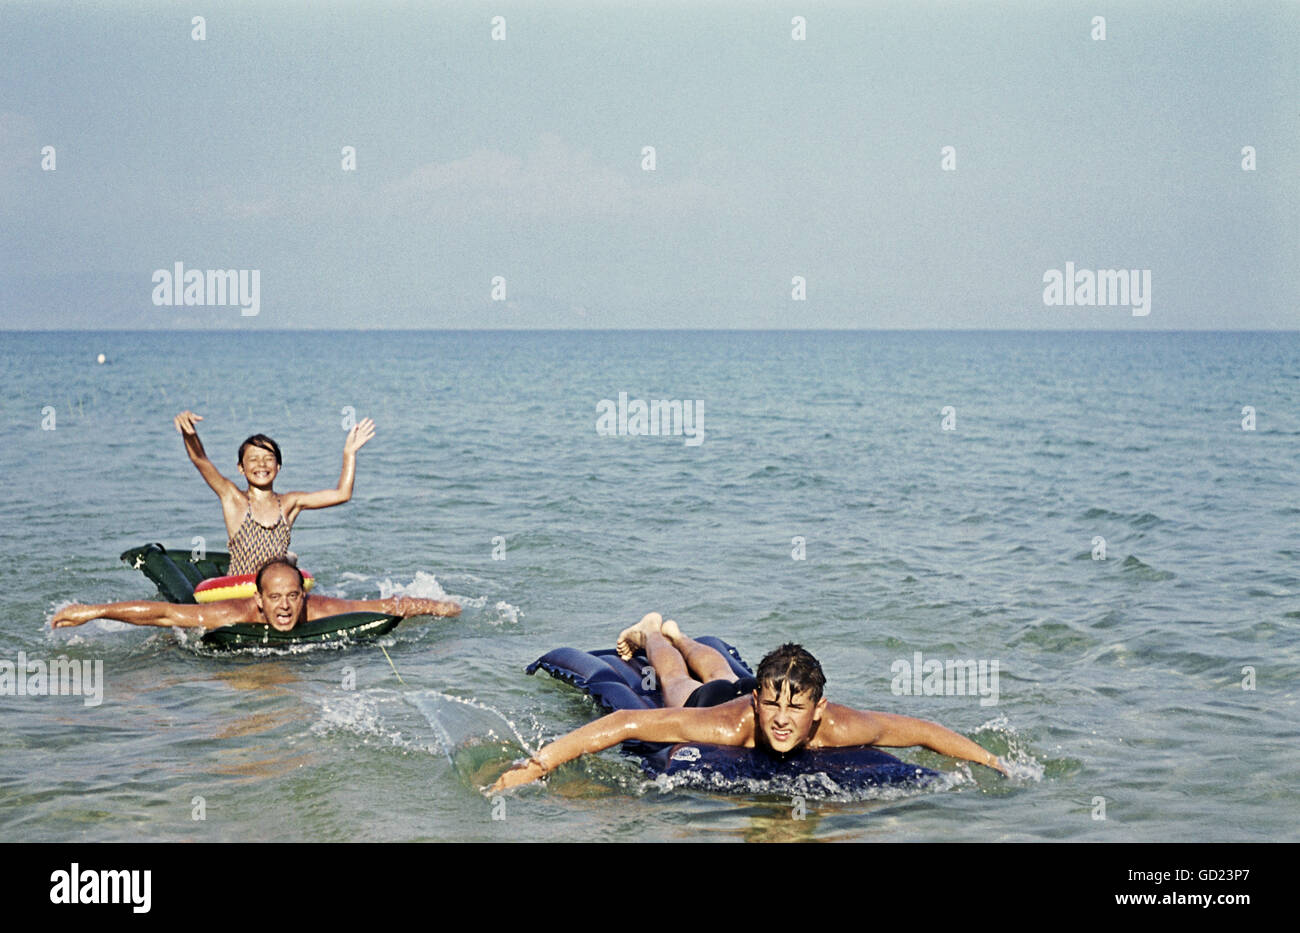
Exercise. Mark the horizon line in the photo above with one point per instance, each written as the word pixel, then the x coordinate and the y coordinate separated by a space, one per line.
pixel 640 330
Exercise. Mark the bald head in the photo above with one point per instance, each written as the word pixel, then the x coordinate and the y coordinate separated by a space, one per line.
pixel 281 599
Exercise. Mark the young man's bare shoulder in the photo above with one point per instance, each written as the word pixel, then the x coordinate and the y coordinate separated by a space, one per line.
pixel 844 725
pixel 730 723
pixel 734 720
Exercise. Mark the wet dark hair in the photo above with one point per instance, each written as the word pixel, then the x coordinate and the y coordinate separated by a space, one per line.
pixel 260 440
pixel 281 562
pixel 793 665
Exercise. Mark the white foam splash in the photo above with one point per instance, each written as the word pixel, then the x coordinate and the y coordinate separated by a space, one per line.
pixel 112 625
pixel 420 699
pixel 506 613
pixel 813 786
pixel 189 638
pixel 358 712
pixel 1020 762
pixel 426 586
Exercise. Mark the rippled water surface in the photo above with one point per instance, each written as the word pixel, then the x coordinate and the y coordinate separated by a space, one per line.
pixel 1121 681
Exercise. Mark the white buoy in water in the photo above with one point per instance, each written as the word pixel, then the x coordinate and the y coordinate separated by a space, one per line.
pixel 102 359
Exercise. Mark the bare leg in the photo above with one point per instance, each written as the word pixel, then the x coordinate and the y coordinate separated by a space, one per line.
pixel 675 680
pixel 682 664
pixel 634 637
pixel 704 662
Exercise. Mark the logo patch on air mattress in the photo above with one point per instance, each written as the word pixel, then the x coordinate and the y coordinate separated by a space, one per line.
pixel 687 754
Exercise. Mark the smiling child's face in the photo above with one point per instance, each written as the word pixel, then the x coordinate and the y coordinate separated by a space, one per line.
pixel 259 466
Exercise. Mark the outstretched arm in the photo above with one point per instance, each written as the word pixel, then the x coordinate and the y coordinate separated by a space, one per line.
pixel 646 725
pixel 194 447
pixel 404 606
pixel 845 726
pixel 137 613
pixel 295 502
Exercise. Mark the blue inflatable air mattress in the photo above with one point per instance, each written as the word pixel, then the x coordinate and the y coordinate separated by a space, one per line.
pixel 617 684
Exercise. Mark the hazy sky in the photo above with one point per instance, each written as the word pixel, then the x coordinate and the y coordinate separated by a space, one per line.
pixel 775 158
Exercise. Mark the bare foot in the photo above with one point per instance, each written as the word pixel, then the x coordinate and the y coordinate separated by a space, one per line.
pixel 630 639
pixel 670 631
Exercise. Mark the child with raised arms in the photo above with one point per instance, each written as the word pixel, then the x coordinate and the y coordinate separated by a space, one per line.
pixel 258 520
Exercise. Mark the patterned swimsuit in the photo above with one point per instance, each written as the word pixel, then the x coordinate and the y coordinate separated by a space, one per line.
pixel 254 543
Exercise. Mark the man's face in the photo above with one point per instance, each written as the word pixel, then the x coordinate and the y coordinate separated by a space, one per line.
pixel 258 465
pixel 281 599
pixel 786 722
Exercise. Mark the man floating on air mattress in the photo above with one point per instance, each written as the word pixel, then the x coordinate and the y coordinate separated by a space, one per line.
pixel 779 710
pixel 280 602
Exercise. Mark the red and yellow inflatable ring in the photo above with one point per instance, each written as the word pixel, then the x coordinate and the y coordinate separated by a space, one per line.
pixel 240 586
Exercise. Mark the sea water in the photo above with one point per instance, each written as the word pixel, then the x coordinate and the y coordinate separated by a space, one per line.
pixel 1110 518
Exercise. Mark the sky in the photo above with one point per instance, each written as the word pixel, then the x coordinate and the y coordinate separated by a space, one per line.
pixel 521 161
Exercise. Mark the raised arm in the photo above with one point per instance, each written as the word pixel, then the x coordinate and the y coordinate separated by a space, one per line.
pixel 845 726
pixel 295 502
pixel 718 725
pixel 141 613
pixel 194 447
